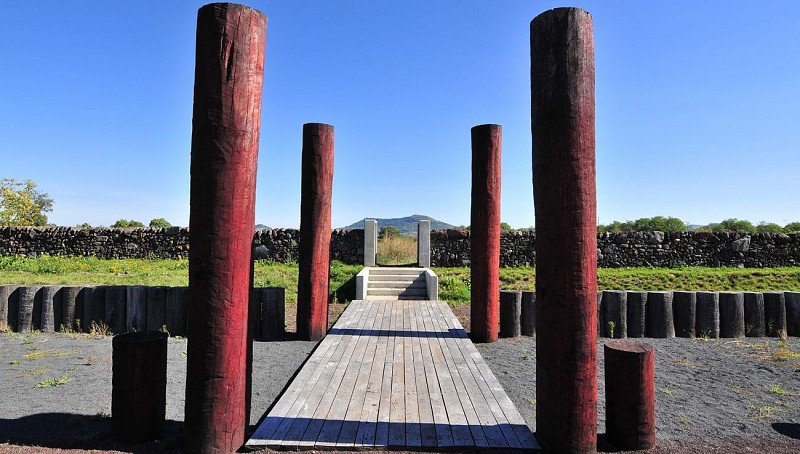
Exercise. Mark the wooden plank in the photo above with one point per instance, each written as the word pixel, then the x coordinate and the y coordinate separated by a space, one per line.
pixel 346 412
pixel 427 429
pixel 444 435
pixel 365 437
pixel 457 365
pixel 385 405
pixel 295 397
pixel 412 426
pixel 482 372
pixel 323 428
pixel 455 413
pixel 397 409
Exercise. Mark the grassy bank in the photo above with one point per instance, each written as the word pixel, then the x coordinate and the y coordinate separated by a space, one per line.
pixel 453 282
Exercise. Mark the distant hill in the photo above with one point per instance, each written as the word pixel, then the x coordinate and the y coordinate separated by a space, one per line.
pixel 261 227
pixel 406 225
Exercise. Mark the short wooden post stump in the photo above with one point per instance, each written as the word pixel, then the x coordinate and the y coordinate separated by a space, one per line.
pixel 630 394
pixel 138 386
pixel 510 313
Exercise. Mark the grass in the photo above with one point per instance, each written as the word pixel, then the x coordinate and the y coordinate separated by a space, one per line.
pixel 454 283
pixel 50 382
pixel 397 250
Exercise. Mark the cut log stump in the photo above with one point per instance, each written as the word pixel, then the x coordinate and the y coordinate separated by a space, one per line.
pixel 754 314
pixel 138 386
pixel 615 313
pixel 775 314
pixel 707 323
pixel 659 315
pixel 684 312
pixel 731 314
pixel 510 313
pixel 636 322
pixel 528 315
pixel 630 394
pixel 792 313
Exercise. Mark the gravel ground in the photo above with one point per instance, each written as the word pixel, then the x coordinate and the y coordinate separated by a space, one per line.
pixel 711 396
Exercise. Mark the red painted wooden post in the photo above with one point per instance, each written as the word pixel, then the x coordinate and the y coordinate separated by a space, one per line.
pixel 315 231
pixel 485 233
pixel 562 124
pixel 630 394
pixel 229 72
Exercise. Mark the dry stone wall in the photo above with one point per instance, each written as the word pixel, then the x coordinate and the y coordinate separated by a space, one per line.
pixel 279 245
pixel 448 247
pixel 638 249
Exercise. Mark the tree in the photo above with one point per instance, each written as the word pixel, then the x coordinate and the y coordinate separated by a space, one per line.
pixel 792 227
pixel 771 227
pixel 388 232
pixel 734 225
pixel 21 204
pixel 124 223
pixel 160 222
pixel 85 225
pixel 505 227
pixel 658 223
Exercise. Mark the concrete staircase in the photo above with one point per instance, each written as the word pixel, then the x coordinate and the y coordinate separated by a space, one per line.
pixel 397 284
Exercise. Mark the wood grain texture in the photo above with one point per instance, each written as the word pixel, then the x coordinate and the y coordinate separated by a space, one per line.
pixel 229 72
pixel 775 314
pixel 563 130
pixel 684 312
pixel 394 375
pixel 754 314
pixel 315 231
pixel 630 394
pixel 485 232
pixel 707 314
pixel 731 314
pixel 138 386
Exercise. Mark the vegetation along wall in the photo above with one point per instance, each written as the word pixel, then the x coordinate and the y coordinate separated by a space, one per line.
pixel 448 247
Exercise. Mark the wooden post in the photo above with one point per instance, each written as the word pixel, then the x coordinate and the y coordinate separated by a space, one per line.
pixel 28 296
pixel 115 316
pixel 136 308
pixel 485 232
pixel 684 312
pixel 659 315
pixel 510 313
pixel 70 297
pixel 156 308
pixel 707 323
pixel 636 323
pixel 138 386
pixel 615 308
pixel 315 231
pixel 792 313
pixel 229 72
pixel 528 315
pixel 731 314
pixel 51 308
pixel 562 124
pixel 6 293
pixel 630 394
pixel 176 310
pixel 754 314
pixel 775 314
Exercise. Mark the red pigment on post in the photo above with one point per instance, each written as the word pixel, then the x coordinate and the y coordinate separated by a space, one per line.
pixel 562 124
pixel 229 75
pixel 315 231
pixel 485 233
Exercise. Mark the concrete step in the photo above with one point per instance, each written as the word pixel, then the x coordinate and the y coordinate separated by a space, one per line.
pixel 395 271
pixel 397 277
pixel 420 292
pixel 396 284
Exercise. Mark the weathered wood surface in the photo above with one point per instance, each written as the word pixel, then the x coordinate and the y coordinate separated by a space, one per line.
pixel 630 394
pixel 659 315
pixel 754 314
pixel 528 314
pixel 775 314
pixel 226 119
pixel 315 231
pixel 485 232
pixel 51 308
pixel 510 313
pixel 565 199
pixel 615 313
pixel 636 323
pixel 394 374
pixel 707 313
pixel 731 314
pixel 684 312
pixel 138 386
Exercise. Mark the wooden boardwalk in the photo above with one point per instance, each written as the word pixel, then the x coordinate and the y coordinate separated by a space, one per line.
pixel 394 374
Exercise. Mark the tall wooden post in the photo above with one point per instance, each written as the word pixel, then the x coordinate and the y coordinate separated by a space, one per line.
pixel 485 233
pixel 315 231
pixel 229 73
pixel 562 123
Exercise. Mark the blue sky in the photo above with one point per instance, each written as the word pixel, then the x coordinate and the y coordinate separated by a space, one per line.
pixel 697 106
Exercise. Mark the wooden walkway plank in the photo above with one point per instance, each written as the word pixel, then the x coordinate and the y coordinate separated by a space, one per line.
pixel 482 372
pixel 444 434
pixel 394 374
pixel 294 396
